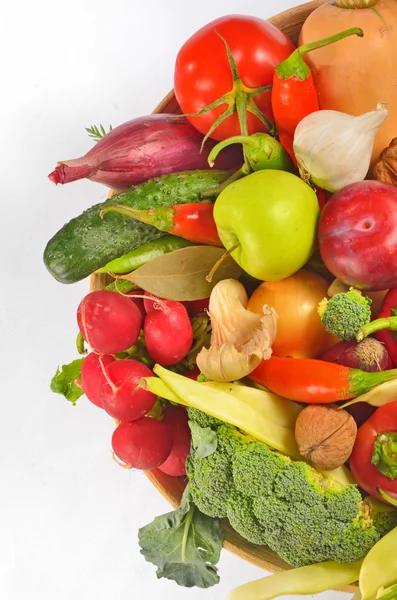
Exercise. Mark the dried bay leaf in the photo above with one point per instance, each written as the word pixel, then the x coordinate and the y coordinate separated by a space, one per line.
pixel 181 275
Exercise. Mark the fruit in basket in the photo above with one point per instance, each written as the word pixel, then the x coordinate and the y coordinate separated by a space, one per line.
pixel 108 321
pixel 358 235
pixel 366 67
pixel 204 74
pixel 121 395
pixel 272 500
pixel 270 217
pixel 300 333
pixel 143 444
pixel 168 332
pixel 92 377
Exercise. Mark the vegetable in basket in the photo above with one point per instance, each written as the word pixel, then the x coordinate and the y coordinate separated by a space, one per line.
pixel 141 149
pixel 316 381
pixel 353 75
pixel 294 94
pixel 388 318
pixel 194 222
pixel 88 242
pixel 344 314
pixel 374 457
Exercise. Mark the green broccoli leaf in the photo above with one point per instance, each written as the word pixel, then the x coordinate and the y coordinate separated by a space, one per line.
pixel 64 381
pixel 204 440
pixel 184 544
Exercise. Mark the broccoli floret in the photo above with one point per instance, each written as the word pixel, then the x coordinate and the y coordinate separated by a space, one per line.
pixel 286 505
pixel 344 314
pixel 202 419
pixel 242 519
pixel 255 467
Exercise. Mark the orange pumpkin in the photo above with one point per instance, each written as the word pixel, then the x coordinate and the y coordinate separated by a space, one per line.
pixel 355 74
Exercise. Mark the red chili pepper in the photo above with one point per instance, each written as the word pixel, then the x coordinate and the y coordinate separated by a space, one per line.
pixel 194 222
pixel 374 458
pixel 385 325
pixel 294 95
pixel 316 381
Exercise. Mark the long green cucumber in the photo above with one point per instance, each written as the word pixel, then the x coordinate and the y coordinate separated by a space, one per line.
pixel 89 242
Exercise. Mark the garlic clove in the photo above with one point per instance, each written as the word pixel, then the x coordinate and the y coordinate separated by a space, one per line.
pixel 240 339
pixel 333 149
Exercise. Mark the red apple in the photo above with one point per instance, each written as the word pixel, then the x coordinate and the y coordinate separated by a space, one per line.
pixel 358 235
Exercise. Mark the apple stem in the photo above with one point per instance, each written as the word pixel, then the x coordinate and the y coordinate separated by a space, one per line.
pixel 220 261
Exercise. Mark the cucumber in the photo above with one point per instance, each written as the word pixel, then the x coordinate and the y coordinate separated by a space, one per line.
pixel 89 242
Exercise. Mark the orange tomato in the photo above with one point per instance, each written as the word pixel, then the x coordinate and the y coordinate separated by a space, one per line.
pixel 300 333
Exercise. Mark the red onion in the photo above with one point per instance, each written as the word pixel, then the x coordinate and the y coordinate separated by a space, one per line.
pixel 143 148
pixel 368 355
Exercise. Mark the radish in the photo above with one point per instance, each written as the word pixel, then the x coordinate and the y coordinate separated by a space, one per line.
pixel 168 332
pixel 138 302
pixel 151 299
pixel 196 307
pixel 109 322
pixel 143 444
pixel 176 419
pixel 121 395
pixel 92 378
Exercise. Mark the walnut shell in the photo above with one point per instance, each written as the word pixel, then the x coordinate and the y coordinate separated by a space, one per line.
pixel 325 435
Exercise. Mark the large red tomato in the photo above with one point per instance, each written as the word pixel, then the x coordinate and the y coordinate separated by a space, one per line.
pixel 203 73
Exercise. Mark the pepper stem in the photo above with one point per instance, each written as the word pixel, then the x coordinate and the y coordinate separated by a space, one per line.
pixel 161 218
pixel 392 501
pixel 215 191
pixel 245 140
pixel 295 65
pixel 377 325
pixel 384 456
pixel 355 3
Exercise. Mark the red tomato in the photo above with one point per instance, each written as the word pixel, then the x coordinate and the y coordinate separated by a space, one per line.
pixel 203 73
pixel 367 475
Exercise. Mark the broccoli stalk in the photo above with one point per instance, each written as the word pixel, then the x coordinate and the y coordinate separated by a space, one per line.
pixel 345 314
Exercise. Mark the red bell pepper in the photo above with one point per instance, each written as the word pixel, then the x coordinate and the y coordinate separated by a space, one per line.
pixel 193 222
pixel 294 95
pixel 374 458
pixel 316 381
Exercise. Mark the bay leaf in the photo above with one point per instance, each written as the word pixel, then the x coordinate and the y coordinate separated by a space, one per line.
pixel 181 275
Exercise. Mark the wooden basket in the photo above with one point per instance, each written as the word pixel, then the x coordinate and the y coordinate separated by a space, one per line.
pixel 289 21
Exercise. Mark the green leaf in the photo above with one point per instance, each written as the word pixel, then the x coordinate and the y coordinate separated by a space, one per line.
pixel 97 133
pixel 181 275
pixel 184 544
pixel 204 440
pixel 64 381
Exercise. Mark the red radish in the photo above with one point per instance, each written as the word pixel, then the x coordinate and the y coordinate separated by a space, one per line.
pixel 176 419
pixel 92 377
pixel 108 321
pixel 168 333
pixel 149 302
pixel 143 444
pixel 139 302
pixel 193 374
pixel 197 307
pixel 121 395
pixel 368 355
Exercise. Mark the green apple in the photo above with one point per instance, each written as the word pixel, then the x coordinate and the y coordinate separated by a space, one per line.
pixel 272 216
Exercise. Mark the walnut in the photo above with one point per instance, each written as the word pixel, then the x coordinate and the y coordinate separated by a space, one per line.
pixel 386 167
pixel 325 435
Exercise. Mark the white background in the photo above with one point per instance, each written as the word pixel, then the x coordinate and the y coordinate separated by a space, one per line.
pixel 68 514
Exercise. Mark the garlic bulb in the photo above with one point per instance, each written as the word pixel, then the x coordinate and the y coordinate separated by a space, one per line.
pixel 333 149
pixel 240 339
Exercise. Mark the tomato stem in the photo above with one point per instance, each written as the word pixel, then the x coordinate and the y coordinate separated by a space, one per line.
pixel 239 99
